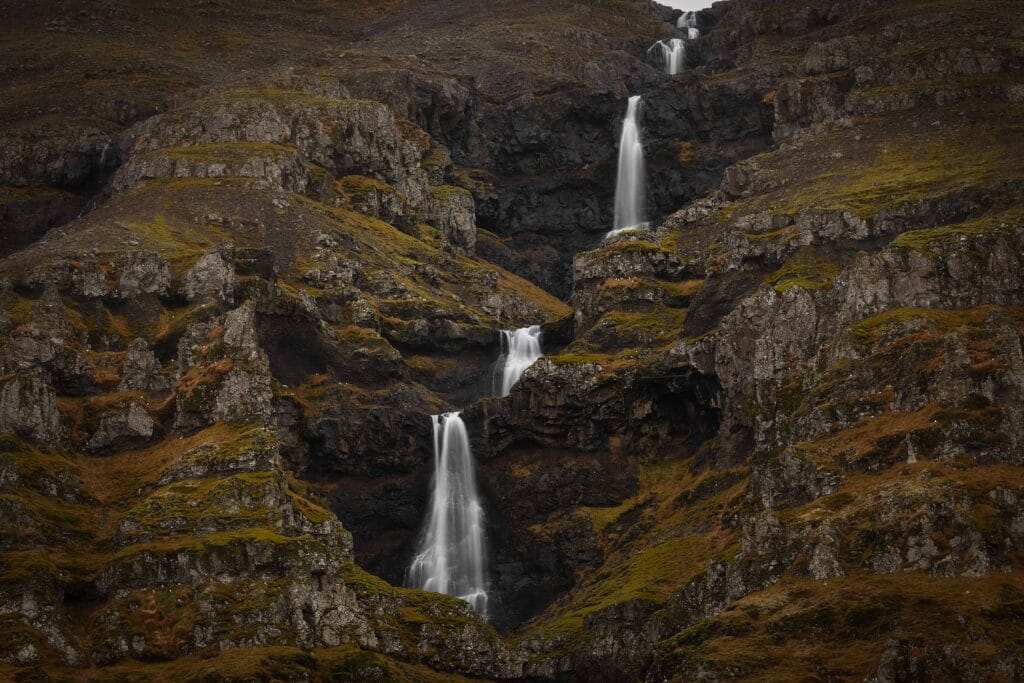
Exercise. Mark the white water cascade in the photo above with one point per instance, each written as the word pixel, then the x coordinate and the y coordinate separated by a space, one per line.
pixel 688 21
pixel 451 557
pixel 674 54
pixel 629 186
pixel 519 349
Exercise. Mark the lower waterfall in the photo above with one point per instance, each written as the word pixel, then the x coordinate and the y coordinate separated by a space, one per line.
pixel 452 555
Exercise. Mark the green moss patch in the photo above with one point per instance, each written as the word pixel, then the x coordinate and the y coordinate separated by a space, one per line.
pixel 806 269
pixel 934 240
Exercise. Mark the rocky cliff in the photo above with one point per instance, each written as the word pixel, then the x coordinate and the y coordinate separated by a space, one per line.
pixel 777 434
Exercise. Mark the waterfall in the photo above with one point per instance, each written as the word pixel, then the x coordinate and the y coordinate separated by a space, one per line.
pixel 519 349
pixel 688 21
pixel 674 54
pixel 629 187
pixel 451 556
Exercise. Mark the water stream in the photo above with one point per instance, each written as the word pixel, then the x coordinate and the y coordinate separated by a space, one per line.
pixel 451 557
pixel 519 349
pixel 630 189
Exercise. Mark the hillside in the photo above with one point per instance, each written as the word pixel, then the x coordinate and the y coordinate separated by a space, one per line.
pixel 251 248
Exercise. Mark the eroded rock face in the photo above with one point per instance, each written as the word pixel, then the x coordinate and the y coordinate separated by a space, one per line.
pixel 212 277
pixel 141 370
pixel 892 279
pixel 281 168
pixel 223 382
pixel 28 407
pixel 455 217
pixel 125 426
pixel 142 273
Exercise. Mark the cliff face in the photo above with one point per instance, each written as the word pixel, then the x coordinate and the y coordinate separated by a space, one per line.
pixel 777 435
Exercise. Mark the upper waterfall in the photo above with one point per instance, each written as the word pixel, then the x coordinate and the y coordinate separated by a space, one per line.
pixel 452 557
pixel 519 349
pixel 688 22
pixel 630 189
pixel 674 54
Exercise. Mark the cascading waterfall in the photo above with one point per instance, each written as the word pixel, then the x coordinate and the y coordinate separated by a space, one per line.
pixel 674 54
pixel 674 51
pixel 519 349
pixel 629 186
pixel 451 557
pixel 688 20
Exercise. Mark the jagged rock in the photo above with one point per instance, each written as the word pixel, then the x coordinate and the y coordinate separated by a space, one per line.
pixel 244 395
pixel 640 264
pixel 140 370
pixel 128 426
pixel 54 153
pixel 789 479
pixel 36 350
pixel 823 562
pixel 37 600
pixel 455 216
pixel 28 407
pixel 142 272
pixel 211 278
pixel 374 198
pixel 228 381
pixel 50 315
pixel 78 277
pixel 240 332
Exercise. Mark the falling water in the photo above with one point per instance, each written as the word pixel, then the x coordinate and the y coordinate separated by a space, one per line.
pixel 451 554
pixel 629 187
pixel 688 21
pixel 519 349
pixel 674 54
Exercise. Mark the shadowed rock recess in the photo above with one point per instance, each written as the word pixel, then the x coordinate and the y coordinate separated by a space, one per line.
pixel 249 248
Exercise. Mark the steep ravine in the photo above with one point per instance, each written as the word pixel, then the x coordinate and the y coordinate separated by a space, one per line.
pixel 776 435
